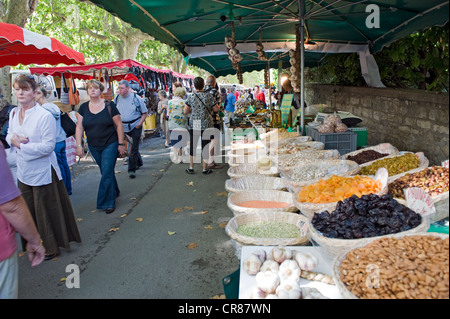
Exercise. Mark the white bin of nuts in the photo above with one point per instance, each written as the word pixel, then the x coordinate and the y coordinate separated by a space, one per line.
pixel 398 266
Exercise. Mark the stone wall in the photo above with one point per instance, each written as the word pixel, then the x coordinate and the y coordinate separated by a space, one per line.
pixel 411 120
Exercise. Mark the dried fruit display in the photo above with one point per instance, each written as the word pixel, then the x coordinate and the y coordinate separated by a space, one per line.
pixel 366 156
pixel 394 165
pixel 367 216
pixel 338 188
pixel 434 180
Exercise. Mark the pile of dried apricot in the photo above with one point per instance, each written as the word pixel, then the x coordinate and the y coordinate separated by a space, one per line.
pixel 338 188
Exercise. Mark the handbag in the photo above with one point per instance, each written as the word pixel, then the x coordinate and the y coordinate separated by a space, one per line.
pixel 108 106
pixel 68 125
pixel 74 95
pixel 64 91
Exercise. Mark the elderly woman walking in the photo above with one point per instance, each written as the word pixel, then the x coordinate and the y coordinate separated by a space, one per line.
pixel 32 135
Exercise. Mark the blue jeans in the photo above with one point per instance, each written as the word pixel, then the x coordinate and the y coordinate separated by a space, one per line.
pixel 108 190
pixel 60 151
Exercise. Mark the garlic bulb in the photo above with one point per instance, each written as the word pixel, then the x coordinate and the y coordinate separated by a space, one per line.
pixel 270 265
pixel 306 261
pixel 289 271
pixel 289 290
pixel 292 54
pixel 257 293
pixel 293 69
pixel 252 264
pixel 267 281
pixel 232 52
pixel 238 57
pixel 280 254
pixel 230 44
pixel 293 61
pixel 261 254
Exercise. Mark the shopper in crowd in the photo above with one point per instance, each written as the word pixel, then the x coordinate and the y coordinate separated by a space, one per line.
pixel 237 94
pixel 230 104
pixel 14 217
pixel 102 123
pixel 200 105
pixel 214 146
pixel 133 113
pixel 223 97
pixel 249 94
pixel 179 136
pixel 162 111
pixel 259 95
pixel 5 109
pixel 32 134
pixel 60 147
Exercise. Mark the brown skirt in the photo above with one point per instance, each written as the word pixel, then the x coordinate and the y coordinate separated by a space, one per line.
pixel 52 213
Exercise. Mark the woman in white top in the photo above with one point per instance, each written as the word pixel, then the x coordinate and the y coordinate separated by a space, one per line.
pixel 32 135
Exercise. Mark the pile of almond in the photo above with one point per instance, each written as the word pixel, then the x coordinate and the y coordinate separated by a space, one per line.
pixel 412 267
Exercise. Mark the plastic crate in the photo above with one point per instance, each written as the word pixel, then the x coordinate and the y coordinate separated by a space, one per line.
pixel 343 142
pixel 361 133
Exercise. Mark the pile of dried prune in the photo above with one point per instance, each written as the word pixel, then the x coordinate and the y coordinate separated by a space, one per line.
pixel 366 156
pixel 366 216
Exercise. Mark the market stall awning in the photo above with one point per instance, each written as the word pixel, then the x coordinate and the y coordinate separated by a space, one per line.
pixel 116 69
pixel 18 45
pixel 197 25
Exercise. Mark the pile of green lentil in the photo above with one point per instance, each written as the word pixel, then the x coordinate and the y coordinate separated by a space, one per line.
pixel 268 229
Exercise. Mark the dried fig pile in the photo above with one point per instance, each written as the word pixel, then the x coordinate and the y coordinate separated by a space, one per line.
pixel 332 124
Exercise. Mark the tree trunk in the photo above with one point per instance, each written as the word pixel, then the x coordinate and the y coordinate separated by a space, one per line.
pixel 18 13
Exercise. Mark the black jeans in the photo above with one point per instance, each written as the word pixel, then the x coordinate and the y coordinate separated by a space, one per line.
pixel 134 158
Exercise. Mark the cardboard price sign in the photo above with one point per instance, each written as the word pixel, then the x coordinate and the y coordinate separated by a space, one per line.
pixel 419 201
pixel 445 164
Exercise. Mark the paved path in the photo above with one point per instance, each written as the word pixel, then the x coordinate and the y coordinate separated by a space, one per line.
pixel 140 259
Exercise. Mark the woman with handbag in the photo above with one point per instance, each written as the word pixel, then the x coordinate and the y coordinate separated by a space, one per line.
pixel 32 135
pixel 102 123
pixel 201 106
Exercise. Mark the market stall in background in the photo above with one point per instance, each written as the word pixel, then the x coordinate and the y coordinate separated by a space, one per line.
pixel 145 80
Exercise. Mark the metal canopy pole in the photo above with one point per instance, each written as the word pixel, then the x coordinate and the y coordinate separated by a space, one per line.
pixel 302 64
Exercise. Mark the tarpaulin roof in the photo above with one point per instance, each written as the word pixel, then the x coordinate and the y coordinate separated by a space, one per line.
pixel 197 25
pixel 19 45
pixel 118 69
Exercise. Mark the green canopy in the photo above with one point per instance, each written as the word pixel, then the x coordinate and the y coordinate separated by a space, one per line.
pixel 203 24
pixel 220 65
pixel 198 28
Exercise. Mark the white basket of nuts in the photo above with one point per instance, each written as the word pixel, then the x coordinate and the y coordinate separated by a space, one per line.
pixel 434 180
pixel 413 266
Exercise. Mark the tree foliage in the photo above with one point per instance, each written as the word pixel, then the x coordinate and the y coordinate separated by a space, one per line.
pixel 420 61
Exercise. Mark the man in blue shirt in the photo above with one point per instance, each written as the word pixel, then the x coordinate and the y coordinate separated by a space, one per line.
pixel 133 113
pixel 230 104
